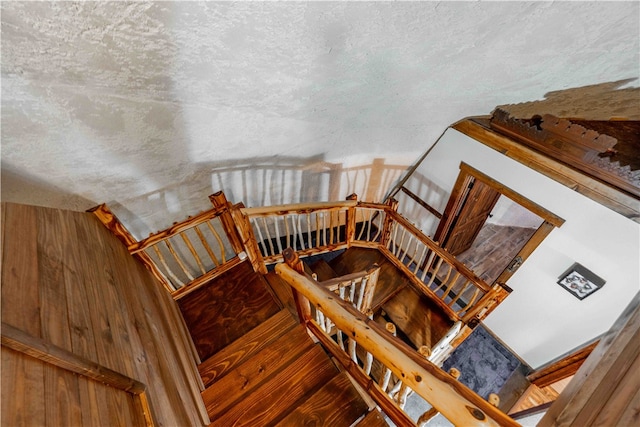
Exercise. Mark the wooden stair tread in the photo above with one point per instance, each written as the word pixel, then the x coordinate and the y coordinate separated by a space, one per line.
pixel 337 403
pixel 278 396
pixel 227 308
pixel 216 366
pixel 242 380
pixel 282 290
pixel 323 270
pixel 373 419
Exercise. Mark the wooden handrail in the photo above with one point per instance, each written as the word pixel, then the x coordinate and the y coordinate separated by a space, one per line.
pixel 454 400
pixel 175 230
pixel 298 208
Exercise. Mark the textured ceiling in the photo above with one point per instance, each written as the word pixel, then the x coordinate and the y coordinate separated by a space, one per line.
pixel 152 106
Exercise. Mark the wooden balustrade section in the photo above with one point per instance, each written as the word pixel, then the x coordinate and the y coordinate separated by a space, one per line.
pixel 455 401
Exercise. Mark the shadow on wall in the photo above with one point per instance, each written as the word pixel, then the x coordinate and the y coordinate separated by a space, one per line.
pixel 21 187
pixel 256 182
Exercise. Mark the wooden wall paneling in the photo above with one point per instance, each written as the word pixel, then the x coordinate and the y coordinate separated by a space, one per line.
pixel 61 387
pixel 20 295
pixel 139 300
pixel 93 276
pixel 80 277
pixel 23 402
pixel 176 341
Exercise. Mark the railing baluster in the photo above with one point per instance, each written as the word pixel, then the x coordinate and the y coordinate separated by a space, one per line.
pixel 470 303
pixel 309 240
pixel 288 232
pixel 452 282
pixel 187 242
pixel 219 239
pixel 169 271
pixel 427 266
pixel 420 259
pixel 434 272
pixel 460 292
pixel 266 232
pixel 318 229
pixel 386 376
pixel 278 237
pixel 331 227
pixel 263 245
pixel 178 260
pixel 300 235
pixel 204 242
pixel 339 335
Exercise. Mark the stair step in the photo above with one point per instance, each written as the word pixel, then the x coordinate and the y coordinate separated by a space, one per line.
pixel 337 403
pixel 241 381
pixel 373 419
pixel 227 308
pixel 323 270
pixel 282 290
pixel 241 350
pixel 278 396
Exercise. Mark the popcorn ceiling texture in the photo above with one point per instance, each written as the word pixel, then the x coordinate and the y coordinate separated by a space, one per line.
pixel 150 107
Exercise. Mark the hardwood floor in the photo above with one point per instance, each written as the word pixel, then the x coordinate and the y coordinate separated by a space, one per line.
pixel 493 249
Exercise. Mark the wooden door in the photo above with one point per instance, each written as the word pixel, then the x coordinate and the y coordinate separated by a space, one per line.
pixel 474 211
pixel 473 197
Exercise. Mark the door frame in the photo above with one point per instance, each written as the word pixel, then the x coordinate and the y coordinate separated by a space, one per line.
pixel 458 198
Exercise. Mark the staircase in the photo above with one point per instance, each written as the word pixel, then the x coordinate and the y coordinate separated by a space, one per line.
pixel 260 367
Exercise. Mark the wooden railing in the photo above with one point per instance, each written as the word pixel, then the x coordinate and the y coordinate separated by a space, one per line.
pixel 313 229
pixel 190 253
pixel 386 368
pixel 310 228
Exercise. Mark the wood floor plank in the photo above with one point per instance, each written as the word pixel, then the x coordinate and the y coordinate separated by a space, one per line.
pixel 240 351
pixel 227 308
pixel 274 399
pixel 222 394
pixel 337 403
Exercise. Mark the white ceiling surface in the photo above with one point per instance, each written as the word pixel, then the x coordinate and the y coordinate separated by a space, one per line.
pixel 150 107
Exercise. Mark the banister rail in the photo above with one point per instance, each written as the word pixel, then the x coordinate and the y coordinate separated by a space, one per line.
pixel 452 399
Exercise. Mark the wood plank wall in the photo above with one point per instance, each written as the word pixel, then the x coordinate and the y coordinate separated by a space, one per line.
pixel 67 281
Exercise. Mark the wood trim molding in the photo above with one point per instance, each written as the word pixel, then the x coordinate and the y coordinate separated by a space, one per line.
pixel 562 368
pixel 578 181
pixel 573 145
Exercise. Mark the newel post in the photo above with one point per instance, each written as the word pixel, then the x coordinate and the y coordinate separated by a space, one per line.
pixel 220 201
pixel 243 225
pixel 392 208
pixel 350 224
pixel 302 303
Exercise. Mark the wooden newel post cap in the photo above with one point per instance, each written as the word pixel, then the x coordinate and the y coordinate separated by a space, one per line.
pixel 494 399
pixel 454 373
pixel 290 256
pixel 391 328
pixel 424 351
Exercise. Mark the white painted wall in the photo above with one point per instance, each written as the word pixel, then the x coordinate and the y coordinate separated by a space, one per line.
pixel 540 320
